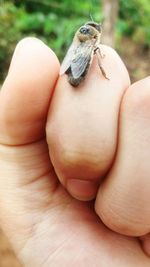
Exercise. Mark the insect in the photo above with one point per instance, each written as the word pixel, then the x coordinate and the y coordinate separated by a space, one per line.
pixel 80 54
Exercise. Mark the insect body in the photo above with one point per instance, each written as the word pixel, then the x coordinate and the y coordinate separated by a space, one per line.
pixel 80 54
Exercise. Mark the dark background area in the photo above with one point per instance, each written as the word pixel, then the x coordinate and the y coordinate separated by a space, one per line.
pixel 126 27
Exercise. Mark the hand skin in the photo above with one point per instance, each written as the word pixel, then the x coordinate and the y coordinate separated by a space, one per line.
pixel 88 136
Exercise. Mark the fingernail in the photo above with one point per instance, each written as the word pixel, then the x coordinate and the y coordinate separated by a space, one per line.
pixel 82 189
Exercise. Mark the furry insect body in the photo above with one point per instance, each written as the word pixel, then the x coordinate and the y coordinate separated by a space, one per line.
pixel 80 54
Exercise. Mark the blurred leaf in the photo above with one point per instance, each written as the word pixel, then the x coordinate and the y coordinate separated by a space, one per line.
pixel 55 22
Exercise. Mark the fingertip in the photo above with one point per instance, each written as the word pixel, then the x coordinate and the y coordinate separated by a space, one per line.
pixel 143 82
pixel 32 56
pixel 26 92
pixel 114 66
pixel 137 97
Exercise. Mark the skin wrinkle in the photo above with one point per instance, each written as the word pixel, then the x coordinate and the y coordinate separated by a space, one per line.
pixel 54 223
pixel 22 157
pixel 126 227
pixel 109 207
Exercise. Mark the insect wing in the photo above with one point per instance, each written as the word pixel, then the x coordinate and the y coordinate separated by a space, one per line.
pixel 68 59
pixel 82 58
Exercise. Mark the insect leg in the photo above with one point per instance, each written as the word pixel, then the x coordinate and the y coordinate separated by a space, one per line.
pixel 98 54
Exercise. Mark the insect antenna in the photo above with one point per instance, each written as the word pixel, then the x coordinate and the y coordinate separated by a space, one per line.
pixel 91 17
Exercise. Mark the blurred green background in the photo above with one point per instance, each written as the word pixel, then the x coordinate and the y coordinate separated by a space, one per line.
pixel 56 21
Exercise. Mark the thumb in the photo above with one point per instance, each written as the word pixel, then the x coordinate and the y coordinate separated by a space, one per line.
pixel 24 160
pixel 26 93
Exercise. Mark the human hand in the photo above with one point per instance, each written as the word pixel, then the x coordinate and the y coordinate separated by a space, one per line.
pixel 47 226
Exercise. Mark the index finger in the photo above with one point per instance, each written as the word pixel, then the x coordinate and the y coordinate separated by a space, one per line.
pixel 83 123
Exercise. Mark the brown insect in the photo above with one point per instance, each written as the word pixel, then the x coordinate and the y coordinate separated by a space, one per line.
pixel 80 54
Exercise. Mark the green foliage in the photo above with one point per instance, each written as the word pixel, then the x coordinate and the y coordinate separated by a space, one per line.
pixel 52 21
pixel 8 34
pixel 55 21
pixel 134 19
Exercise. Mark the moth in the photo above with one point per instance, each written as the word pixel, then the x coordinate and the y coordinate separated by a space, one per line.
pixel 86 43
